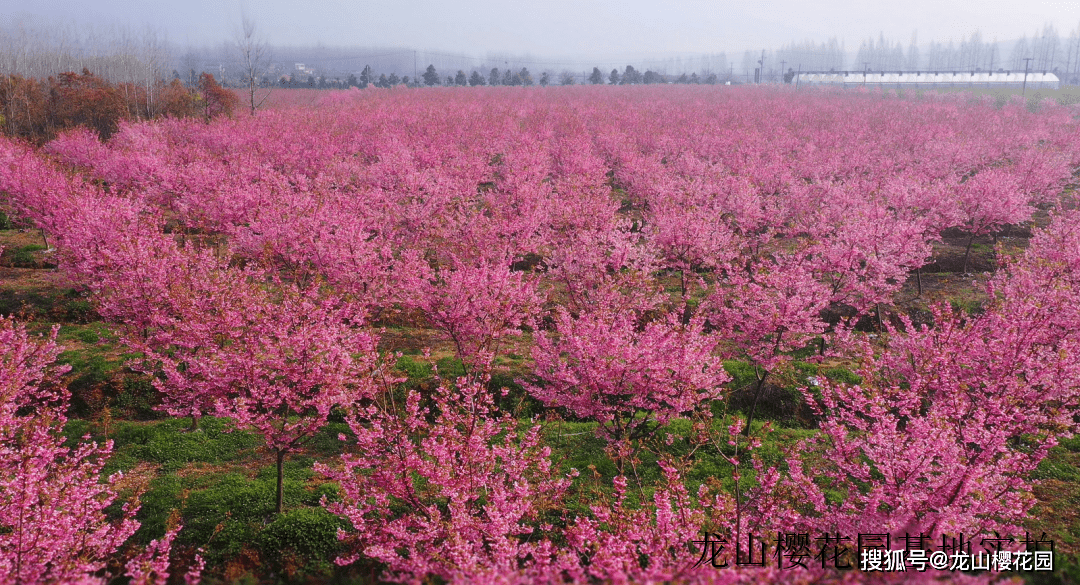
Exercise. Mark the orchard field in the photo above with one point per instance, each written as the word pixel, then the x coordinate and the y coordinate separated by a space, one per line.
pixel 572 335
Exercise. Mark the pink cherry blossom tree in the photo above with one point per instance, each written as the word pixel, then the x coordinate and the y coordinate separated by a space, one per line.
pixel 456 490
pixel 627 372
pixel 764 309
pixel 949 422
pixel 51 500
pixel 988 201
pixel 289 364
pixel 478 305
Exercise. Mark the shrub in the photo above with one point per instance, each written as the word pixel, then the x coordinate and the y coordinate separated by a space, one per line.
pixel 137 398
pixel 301 542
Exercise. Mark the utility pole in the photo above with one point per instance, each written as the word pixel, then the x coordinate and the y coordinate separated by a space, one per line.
pixel 797 77
pixel 1068 62
pixel 866 68
pixel 1027 62
pixel 1077 52
pixel 761 63
pixel 782 63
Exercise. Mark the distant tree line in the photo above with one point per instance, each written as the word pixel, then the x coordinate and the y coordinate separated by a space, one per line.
pixel 431 77
pixel 523 77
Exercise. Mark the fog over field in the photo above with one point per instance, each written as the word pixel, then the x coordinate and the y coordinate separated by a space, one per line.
pixel 561 28
pixel 335 38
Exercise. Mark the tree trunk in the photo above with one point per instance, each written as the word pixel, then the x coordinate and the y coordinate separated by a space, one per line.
pixel 967 253
pixel 753 405
pixel 280 481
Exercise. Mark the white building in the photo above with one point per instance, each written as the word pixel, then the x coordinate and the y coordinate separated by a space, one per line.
pixel 930 79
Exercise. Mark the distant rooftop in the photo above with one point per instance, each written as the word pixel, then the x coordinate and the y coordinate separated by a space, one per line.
pixel 1039 79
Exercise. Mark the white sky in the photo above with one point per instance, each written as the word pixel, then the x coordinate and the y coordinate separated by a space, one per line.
pixel 580 29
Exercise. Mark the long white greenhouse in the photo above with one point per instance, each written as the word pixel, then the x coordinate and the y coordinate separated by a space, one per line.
pixel 929 79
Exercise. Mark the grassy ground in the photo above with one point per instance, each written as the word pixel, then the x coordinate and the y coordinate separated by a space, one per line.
pixel 1033 96
pixel 221 480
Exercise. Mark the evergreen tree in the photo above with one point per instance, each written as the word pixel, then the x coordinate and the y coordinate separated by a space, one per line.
pixel 431 77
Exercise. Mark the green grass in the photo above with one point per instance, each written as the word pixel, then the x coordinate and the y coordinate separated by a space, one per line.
pixel 24 255
pixel 231 516
pixel 842 375
pixel 89 333
pixel 742 373
pixel 44 305
pixel 416 370
pixel 450 368
pixel 327 442
pixel 968 306
pixel 575 445
pixel 1056 514
pixel 224 489
pixel 169 443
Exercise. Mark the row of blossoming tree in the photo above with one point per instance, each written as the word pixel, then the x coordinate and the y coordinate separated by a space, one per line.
pixel 636 240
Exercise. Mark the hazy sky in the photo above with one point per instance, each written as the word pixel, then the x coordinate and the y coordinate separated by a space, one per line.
pixel 563 28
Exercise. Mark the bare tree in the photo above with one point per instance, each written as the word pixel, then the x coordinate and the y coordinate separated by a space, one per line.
pixel 154 58
pixel 255 57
